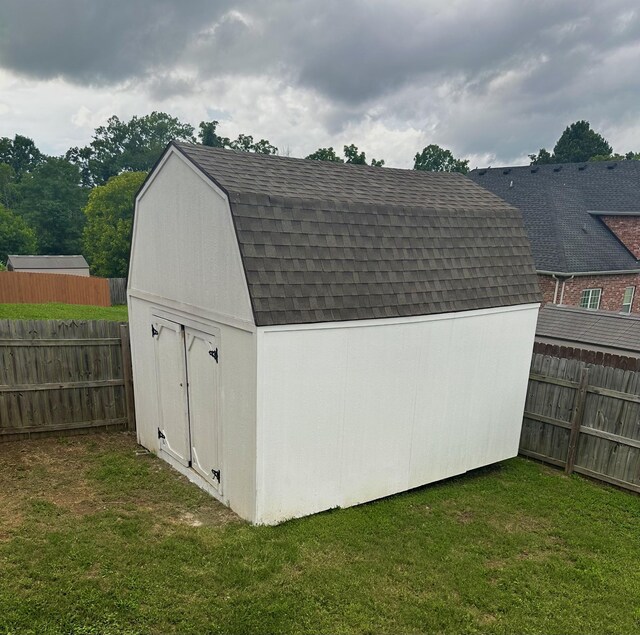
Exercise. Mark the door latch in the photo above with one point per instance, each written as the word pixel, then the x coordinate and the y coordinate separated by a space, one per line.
pixel 161 434
pixel 154 331
pixel 216 475
pixel 214 354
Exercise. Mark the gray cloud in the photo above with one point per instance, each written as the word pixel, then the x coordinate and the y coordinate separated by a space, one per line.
pixel 491 78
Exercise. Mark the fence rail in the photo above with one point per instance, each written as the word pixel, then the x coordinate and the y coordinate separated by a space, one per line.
pixel 38 288
pixel 584 417
pixel 61 376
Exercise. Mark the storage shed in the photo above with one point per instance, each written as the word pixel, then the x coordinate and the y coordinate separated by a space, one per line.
pixel 71 265
pixel 308 335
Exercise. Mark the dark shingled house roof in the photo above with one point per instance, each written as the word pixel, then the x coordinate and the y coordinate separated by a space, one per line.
pixel 595 330
pixel 559 204
pixel 322 241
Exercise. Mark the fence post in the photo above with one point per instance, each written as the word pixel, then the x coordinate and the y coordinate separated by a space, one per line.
pixel 576 420
pixel 127 374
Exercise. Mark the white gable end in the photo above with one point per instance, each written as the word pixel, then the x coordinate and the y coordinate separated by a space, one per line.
pixel 184 245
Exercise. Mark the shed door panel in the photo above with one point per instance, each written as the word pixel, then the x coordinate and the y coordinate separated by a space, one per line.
pixel 172 390
pixel 202 372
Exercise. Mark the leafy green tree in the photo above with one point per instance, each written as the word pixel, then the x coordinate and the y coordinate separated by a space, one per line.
pixel 629 156
pixel 8 196
pixel 576 144
pixel 543 156
pixel 21 154
pixel 127 146
pixel 247 144
pixel 325 154
pixel 209 137
pixel 16 237
pixel 51 199
pixel 107 234
pixel 433 158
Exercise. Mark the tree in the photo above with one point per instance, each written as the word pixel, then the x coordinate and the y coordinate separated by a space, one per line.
pixel 247 144
pixel 21 154
pixel 576 144
pixel 351 155
pixel 50 198
pixel 16 237
pixel 8 196
pixel 629 156
pixel 130 146
pixel 209 137
pixel 325 154
pixel 542 157
pixel 433 158
pixel 109 216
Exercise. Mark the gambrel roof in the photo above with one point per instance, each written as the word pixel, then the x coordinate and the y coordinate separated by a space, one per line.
pixel 560 205
pixel 322 241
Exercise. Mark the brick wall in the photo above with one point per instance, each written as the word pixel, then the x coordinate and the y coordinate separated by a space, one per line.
pixel 627 229
pixel 612 290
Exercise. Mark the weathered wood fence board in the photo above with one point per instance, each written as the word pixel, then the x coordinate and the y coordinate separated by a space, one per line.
pixel 63 375
pixel 118 290
pixel 584 416
pixel 38 288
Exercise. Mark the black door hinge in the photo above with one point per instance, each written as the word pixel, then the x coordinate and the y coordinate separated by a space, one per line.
pixel 216 475
pixel 214 354
pixel 154 331
pixel 161 434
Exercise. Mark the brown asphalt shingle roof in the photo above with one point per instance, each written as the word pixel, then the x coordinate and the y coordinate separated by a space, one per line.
pixel 324 242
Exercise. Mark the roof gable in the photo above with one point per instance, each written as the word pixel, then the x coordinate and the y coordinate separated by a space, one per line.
pixel 325 242
pixel 557 202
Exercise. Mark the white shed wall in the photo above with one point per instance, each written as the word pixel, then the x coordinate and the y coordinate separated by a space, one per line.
pixel 186 266
pixel 184 245
pixel 353 411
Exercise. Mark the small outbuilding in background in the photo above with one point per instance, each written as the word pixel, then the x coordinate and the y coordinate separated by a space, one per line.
pixel 71 265
pixel 308 335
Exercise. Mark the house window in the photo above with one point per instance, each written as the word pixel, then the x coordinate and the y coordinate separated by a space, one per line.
pixel 627 299
pixel 590 298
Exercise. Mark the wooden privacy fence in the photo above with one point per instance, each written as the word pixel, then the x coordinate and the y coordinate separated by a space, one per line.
pixel 583 414
pixel 53 287
pixel 118 290
pixel 59 375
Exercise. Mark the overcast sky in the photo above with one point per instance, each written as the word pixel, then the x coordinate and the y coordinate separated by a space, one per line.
pixel 492 80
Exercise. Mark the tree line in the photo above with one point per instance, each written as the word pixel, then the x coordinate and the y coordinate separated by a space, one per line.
pixel 82 202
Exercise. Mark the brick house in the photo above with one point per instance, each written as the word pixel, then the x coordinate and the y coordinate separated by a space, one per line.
pixel 583 221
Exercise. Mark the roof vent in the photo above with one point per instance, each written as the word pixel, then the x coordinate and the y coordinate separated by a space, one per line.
pixel 582 167
pixel 534 170
pixel 506 171
pixel 584 229
pixel 482 172
pixel 510 183
pixel 557 168
pixel 611 166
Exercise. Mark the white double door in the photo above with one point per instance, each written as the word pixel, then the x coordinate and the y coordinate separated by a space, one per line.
pixel 187 380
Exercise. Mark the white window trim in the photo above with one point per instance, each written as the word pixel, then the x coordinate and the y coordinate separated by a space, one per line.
pixel 590 293
pixel 629 305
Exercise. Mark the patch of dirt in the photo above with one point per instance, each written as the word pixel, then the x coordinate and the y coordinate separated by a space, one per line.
pixel 55 471
pixel 464 517
pixel 520 523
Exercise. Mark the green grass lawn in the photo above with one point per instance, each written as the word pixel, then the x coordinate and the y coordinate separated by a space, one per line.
pixel 57 311
pixel 97 538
